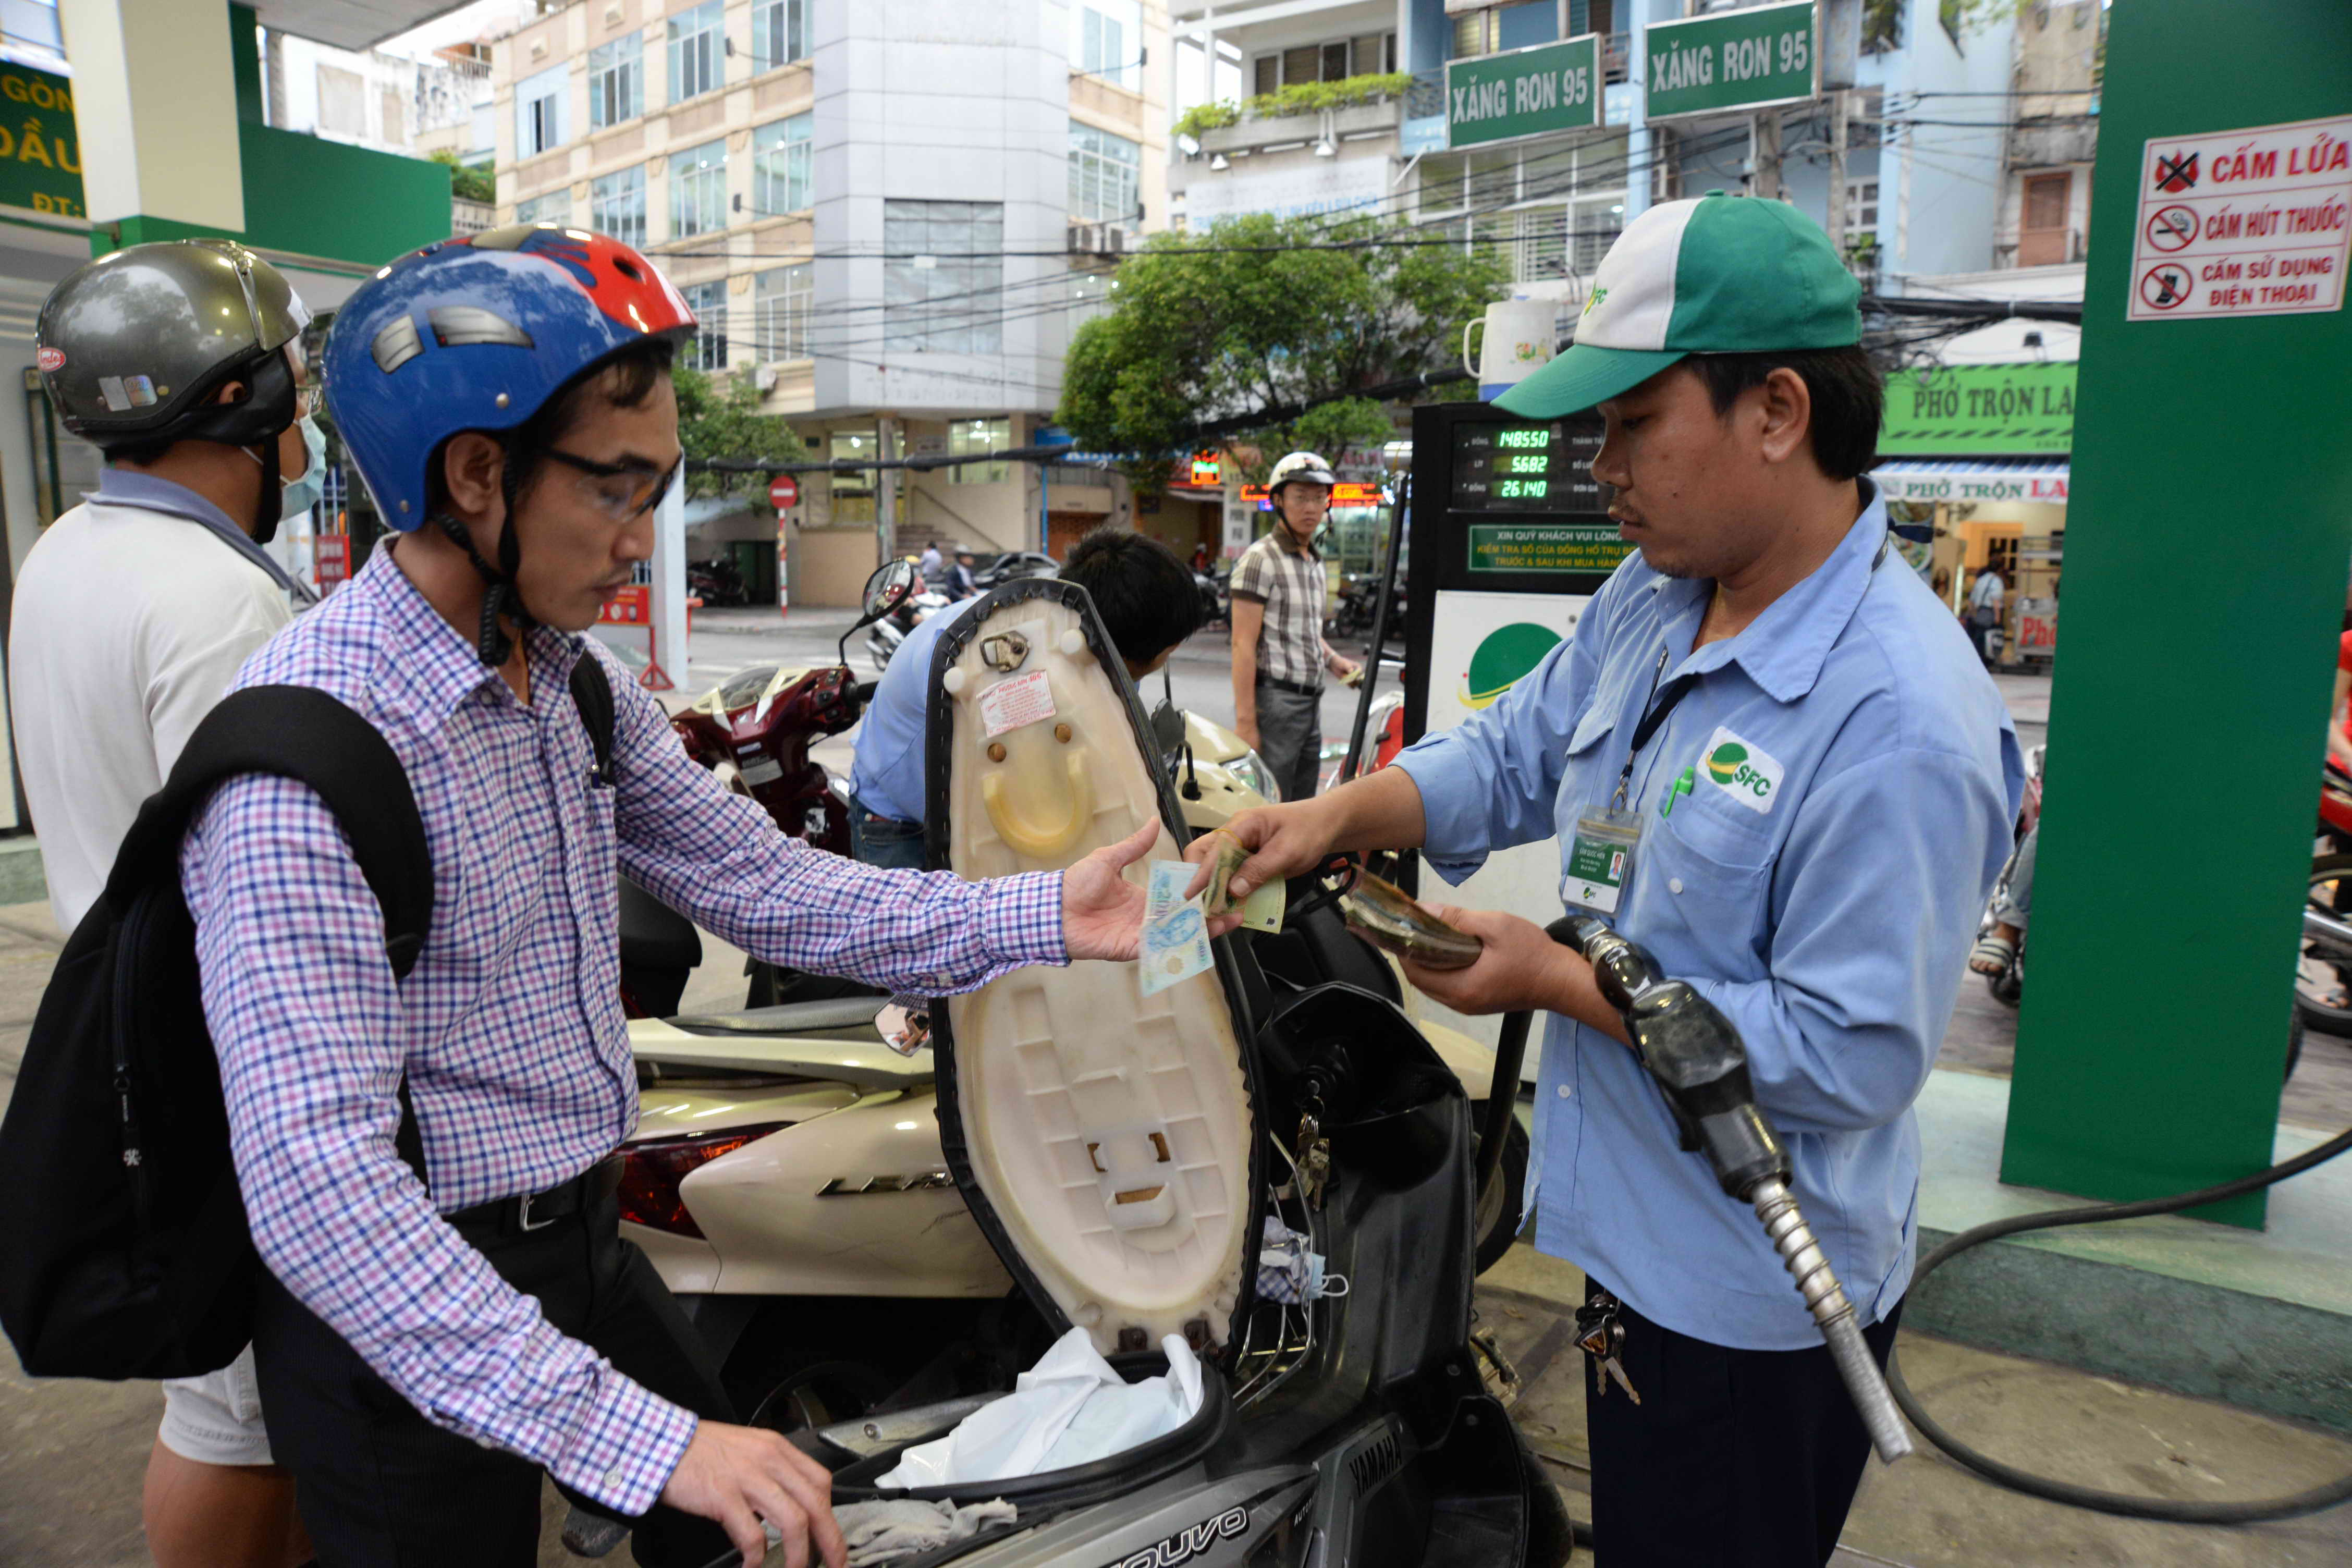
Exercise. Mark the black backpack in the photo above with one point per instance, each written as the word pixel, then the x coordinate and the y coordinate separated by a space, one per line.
pixel 124 1245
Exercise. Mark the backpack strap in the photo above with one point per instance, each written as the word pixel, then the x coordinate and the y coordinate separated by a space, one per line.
pixel 591 693
pixel 298 732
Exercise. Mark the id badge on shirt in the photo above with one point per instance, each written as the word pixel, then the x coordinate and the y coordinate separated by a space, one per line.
pixel 1601 859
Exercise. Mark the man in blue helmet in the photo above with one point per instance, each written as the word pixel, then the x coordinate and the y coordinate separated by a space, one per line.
pixel 428 1165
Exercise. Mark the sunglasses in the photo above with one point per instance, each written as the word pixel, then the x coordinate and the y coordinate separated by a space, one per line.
pixel 623 492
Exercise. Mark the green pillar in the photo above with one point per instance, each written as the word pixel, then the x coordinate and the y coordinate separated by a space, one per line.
pixel 2208 541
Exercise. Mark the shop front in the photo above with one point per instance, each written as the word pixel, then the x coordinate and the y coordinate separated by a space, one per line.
pixel 1979 453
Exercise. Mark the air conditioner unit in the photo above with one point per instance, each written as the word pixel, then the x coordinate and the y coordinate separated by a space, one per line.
pixel 1098 239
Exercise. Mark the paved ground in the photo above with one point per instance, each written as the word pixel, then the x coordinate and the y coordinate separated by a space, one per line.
pixel 71 1454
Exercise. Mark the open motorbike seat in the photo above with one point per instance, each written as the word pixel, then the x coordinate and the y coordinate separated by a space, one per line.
pixel 1106 1141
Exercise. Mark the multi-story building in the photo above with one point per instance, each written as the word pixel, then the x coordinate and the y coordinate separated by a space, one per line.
pixel 889 216
pixel 1911 193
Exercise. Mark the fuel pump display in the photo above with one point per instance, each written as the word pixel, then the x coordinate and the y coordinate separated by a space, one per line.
pixel 1524 466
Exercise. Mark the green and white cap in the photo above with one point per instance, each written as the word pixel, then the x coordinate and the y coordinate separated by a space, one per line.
pixel 1715 275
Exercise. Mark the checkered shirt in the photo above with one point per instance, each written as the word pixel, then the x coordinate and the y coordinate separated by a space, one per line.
pixel 1289 583
pixel 509 1027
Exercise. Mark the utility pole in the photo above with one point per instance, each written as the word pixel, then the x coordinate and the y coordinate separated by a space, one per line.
pixel 886 492
pixel 1837 169
pixel 1764 155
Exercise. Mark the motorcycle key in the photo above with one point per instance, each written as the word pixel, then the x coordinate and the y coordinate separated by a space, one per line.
pixel 1313 1160
pixel 1599 1335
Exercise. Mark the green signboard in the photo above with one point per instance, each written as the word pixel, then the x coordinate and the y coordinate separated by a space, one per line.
pixel 1980 411
pixel 1580 547
pixel 40 152
pixel 1740 59
pixel 1526 92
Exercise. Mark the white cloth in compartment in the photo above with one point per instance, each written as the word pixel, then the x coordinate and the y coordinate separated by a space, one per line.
pixel 1070 1409
pixel 902 1527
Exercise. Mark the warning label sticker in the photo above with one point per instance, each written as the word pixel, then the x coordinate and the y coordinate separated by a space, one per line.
pixel 1009 704
pixel 2244 223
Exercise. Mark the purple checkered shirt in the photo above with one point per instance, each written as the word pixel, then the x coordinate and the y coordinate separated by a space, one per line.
pixel 509 1027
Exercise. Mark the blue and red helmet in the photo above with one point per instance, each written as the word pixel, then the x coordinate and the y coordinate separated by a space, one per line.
pixel 477 333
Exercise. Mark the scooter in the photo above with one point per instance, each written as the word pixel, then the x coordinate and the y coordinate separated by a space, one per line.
pixel 757 1128
pixel 1118 1155
pixel 753 734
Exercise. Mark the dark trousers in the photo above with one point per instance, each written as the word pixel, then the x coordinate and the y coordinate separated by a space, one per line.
pixel 1290 739
pixel 884 841
pixel 1733 1460
pixel 380 1486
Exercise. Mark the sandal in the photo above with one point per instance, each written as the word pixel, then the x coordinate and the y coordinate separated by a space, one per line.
pixel 1991 955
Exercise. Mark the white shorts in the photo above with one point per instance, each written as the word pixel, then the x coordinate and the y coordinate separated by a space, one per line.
pixel 215 1420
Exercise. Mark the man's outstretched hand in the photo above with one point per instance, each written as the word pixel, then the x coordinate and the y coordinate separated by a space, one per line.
pixel 1102 911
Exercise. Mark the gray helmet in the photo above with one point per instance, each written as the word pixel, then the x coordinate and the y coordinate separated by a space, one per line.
pixel 133 346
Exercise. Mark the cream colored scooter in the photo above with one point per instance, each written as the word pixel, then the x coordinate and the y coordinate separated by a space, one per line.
pixel 787 1161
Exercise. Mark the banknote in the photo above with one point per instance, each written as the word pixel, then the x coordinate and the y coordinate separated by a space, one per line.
pixel 1175 947
pixel 1262 910
pixel 1175 943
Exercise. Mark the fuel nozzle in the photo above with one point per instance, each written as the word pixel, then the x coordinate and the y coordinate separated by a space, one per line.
pixel 1696 1056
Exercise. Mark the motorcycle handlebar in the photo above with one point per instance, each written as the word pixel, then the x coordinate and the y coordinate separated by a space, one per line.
pixel 864 690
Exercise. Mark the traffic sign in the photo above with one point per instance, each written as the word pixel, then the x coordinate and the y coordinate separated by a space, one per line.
pixel 784 492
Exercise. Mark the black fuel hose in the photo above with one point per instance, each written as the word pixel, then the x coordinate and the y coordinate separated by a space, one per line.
pixel 2123 1503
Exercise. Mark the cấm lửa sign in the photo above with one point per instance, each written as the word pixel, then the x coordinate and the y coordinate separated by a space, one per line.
pixel 2244 223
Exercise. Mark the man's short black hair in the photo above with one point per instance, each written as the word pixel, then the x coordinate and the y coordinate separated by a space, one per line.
pixel 1146 598
pixel 1849 398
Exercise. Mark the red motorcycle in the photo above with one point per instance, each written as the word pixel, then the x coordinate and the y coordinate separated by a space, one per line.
pixel 754 732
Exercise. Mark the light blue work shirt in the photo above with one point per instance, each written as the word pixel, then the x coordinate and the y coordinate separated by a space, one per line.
pixel 1824 898
pixel 888 776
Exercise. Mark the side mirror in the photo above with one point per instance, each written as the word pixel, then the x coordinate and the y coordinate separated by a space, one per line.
pixel 887 589
pixel 904 1031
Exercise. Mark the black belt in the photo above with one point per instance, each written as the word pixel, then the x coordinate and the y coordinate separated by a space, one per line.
pixel 504 1217
pixel 1297 687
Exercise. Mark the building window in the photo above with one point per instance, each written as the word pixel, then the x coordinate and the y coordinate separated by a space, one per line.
pixel 783 297
pixel 698 191
pixel 942 285
pixel 779 33
pixel 781 164
pixel 1506 27
pixel 976 436
pixel 540 111
pixel 2042 235
pixel 617 205
pixel 616 80
pixel 1331 61
pixel 1861 209
pixel 555 207
pixel 696 51
pixel 707 352
pixel 1106 41
pixel 850 446
pixel 1105 175
pixel 342 102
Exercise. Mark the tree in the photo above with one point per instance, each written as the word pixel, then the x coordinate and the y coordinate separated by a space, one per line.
pixel 1265 312
pixel 466 182
pixel 719 416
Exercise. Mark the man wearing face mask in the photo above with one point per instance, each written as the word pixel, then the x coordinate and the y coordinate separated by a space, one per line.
pixel 182 361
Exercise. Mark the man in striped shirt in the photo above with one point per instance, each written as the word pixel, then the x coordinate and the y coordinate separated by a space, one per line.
pixel 449 1308
pixel 1279 654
